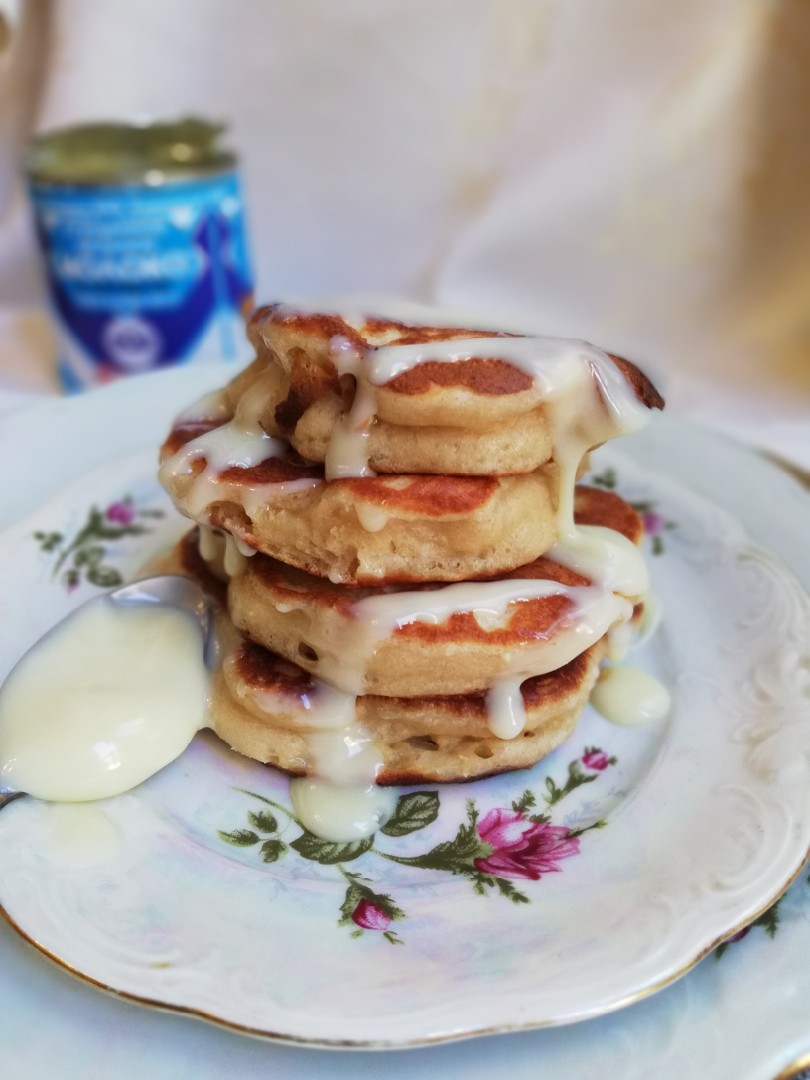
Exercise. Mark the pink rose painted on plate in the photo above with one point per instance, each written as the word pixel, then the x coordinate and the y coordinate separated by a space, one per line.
pixel 86 556
pixel 595 759
pixel 653 522
pixel 369 917
pixel 523 848
pixel 122 513
pixel 491 850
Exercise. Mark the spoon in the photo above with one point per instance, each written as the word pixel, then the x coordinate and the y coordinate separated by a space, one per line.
pixel 166 590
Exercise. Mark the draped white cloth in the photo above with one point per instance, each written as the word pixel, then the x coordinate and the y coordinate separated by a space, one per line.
pixel 628 171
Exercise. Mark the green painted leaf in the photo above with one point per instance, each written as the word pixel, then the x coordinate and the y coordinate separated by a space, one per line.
pixel 384 902
pixel 769 919
pixel 479 884
pixel 607 479
pixel 354 894
pixel 574 771
pixel 104 576
pixel 272 850
pixel 89 555
pixel 507 889
pixel 239 837
pixel 328 853
pixel 413 812
pixel 357 892
pixel 526 801
pixel 101 530
pixel 262 820
pixel 573 833
pixel 48 541
pixel 456 856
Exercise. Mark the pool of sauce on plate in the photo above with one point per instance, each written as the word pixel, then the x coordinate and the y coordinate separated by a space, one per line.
pixel 104 701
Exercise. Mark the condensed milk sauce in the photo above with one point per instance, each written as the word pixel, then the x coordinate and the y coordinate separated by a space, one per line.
pixel 628 696
pixel 594 610
pixel 117 692
pixel 241 442
pixel 342 801
pixel 225 555
pixel 103 702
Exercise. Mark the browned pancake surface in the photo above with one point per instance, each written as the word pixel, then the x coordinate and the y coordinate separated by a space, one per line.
pixel 316 623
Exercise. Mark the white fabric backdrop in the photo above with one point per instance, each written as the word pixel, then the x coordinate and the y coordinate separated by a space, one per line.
pixel 624 170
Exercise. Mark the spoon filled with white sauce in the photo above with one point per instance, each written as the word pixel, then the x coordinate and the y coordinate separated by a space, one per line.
pixel 110 695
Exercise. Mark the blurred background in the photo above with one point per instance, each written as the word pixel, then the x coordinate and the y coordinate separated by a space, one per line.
pixel 627 171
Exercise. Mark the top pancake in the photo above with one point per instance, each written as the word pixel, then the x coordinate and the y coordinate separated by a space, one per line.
pixel 479 415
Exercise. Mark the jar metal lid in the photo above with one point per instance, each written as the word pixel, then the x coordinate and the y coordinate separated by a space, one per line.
pixel 120 152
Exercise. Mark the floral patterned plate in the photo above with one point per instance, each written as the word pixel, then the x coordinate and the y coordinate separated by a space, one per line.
pixel 541 897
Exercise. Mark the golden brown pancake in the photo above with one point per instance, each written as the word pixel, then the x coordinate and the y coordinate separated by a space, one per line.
pixel 256 707
pixel 476 416
pixel 257 699
pixel 319 625
pixel 518 443
pixel 376 529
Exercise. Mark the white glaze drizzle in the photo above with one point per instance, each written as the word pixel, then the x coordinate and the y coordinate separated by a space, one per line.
pixel 506 710
pixel 604 556
pixel 586 397
pixel 226 556
pixel 347 449
pixel 620 638
pixel 372 518
pixel 341 801
pixel 346 647
pixel 241 442
pixel 211 544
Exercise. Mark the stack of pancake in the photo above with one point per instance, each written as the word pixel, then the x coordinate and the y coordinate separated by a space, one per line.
pixel 387 510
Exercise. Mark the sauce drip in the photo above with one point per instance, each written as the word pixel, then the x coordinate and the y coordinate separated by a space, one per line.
pixel 341 801
pixel 242 442
pixel 338 812
pixel 345 648
pixel 225 555
pixel 506 711
pixel 630 697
